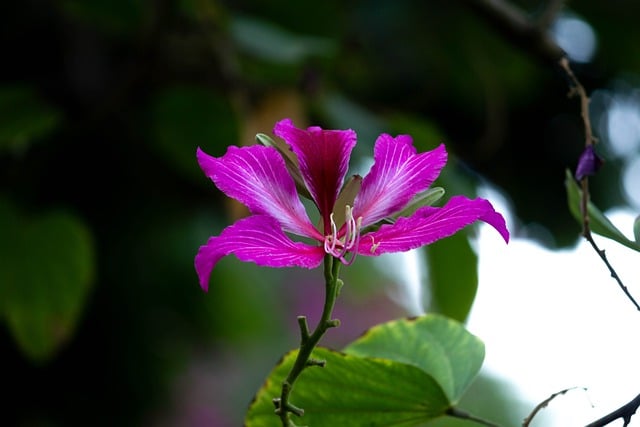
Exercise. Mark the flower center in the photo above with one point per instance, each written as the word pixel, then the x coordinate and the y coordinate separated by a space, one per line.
pixel 338 247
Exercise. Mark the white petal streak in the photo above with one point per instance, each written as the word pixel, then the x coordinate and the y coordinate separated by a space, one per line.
pixel 397 175
pixel 257 176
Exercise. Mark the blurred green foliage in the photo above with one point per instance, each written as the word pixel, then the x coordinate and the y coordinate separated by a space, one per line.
pixel 25 117
pixel 103 206
pixel 46 273
pixel 185 117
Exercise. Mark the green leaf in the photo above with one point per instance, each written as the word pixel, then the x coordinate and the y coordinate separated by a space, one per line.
pixel 440 347
pixel 24 117
pixel 425 198
pixel 453 275
pixel 352 391
pixel 636 229
pixel 598 222
pixel 269 42
pixel 46 272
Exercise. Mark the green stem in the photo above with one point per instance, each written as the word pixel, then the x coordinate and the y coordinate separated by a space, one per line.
pixel 309 341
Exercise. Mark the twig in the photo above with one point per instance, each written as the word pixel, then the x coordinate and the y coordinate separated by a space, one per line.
pixel 615 276
pixel 518 29
pixel 625 412
pixel 578 89
pixel 515 26
pixel 550 13
pixel 544 404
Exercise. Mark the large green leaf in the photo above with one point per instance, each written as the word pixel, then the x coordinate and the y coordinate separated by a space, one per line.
pixel 352 391
pixel 46 271
pixel 598 222
pixel 453 276
pixel 440 347
pixel 401 373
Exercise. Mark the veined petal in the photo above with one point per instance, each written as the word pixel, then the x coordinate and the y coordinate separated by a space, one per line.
pixel 398 174
pixel 324 159
pixel 429 224
pixel 257 238
pixel 257 176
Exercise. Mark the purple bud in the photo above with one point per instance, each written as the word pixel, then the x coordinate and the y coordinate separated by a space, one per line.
pixel 589 163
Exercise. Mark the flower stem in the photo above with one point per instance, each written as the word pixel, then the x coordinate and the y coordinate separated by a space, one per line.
pixel 309 341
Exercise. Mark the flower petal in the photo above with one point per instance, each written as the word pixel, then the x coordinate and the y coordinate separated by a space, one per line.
pixel 257 176
pixel 398 174
pixel 429 224
pixel 324 160
pixel 257 238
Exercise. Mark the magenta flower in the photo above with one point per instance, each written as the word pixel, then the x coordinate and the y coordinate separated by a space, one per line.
pixel 258 177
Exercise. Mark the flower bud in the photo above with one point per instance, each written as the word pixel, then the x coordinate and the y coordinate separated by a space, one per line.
pixel 589 163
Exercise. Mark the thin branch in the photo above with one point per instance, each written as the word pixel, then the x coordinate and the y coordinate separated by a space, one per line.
pixel 544 404
pixel 578 90
pixel 612 271
pixel 549 15
pixel 625 412
pixel 518 29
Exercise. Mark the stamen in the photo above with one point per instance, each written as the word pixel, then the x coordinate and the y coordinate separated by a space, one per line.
pixel 334 228
pixel 327 240
pixel 352 231
pixel 339 248
pixel 355 243
pixel 332 238
pixel 374 245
